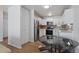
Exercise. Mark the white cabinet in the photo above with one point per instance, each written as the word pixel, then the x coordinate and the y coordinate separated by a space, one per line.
pixel 68 16
pixel 42 32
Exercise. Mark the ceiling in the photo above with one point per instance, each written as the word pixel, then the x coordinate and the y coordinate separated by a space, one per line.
pixel 55 10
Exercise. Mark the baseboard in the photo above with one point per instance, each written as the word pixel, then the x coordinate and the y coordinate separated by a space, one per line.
pixel 17 46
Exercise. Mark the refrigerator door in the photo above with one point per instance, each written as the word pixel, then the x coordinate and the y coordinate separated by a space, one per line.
pixel 36 30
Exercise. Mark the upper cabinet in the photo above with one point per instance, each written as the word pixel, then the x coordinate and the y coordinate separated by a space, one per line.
pixel 68 16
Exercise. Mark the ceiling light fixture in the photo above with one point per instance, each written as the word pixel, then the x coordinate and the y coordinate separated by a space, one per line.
pixel 50 14
pixel 46 7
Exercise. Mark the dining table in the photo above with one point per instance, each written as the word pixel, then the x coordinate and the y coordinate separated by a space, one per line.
pixel 59 44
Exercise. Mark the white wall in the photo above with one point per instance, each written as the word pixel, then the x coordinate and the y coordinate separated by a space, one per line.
pixel 25 17
pixel 1 24
pixel 76 26
pixel 5 24
pixel 20 26
pixel 14 26
pixel 31 25
pixel 27 25
pixel 76 23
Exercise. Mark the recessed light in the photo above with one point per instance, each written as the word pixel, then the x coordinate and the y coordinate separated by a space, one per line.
pixel 46 7
pixel 50 14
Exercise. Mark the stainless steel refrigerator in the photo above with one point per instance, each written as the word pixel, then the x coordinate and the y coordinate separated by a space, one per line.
pixel 36 30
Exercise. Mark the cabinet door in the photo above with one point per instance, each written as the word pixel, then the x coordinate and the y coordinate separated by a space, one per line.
pixel 68 16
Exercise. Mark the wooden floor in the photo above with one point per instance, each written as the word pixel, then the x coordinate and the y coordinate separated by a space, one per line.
pixel 26 48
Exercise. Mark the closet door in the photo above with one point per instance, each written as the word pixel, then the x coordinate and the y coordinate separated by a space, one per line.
pixel 25 20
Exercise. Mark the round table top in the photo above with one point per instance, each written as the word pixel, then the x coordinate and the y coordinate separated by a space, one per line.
pixel 53 40
pixel 58 40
